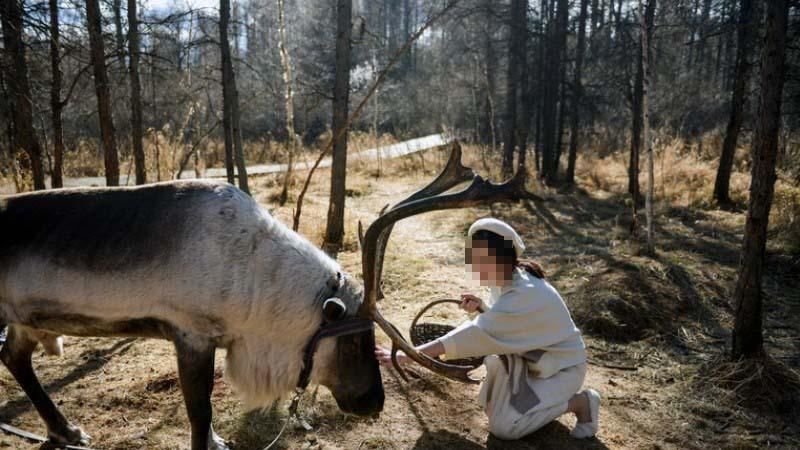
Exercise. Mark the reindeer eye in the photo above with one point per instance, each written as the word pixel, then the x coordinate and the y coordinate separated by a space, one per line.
pixel 334 309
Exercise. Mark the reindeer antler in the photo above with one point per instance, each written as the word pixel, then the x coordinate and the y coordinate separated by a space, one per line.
pixel 429 198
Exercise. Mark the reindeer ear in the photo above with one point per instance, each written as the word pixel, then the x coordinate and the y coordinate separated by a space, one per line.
pixel 334 309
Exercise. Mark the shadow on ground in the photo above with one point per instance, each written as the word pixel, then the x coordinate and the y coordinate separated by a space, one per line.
pixel 94 361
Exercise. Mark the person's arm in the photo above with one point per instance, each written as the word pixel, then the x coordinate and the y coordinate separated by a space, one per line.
pixel 432 349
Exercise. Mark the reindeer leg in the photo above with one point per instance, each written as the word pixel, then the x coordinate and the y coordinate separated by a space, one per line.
pixel 16 355
pixel 196 374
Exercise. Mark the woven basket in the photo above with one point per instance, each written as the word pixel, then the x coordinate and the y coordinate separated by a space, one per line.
pixel 422 333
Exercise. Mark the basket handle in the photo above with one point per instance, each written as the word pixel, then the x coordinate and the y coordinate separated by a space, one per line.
pixel 434 303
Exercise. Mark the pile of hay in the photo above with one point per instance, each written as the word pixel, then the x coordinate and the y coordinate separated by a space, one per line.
pixel 629 302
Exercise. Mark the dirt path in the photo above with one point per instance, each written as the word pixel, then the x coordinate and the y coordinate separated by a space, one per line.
pixel 425 262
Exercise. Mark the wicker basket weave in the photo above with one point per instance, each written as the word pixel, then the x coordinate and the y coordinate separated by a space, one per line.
pixel 422 333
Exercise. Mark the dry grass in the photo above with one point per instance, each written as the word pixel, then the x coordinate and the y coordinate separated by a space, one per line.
pixel 762 384
pixel 655 327
pixel 684 179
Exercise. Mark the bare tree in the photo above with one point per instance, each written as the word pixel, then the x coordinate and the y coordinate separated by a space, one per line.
pixel 334 233
pixel 556 40
pixel 747 32
pixel 577 92
pixel 136 93
pixel 56 105
pixel 636 110
pixel 18 84
pixel 517 28
pixel 646 28
pixel 119 36
pixel 231 115
pixel 525 91
pixel 288 98
pixel 93 17
pixel 490 61
pixel 748 325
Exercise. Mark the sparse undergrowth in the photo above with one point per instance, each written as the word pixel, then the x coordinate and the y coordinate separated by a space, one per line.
pixel 655 327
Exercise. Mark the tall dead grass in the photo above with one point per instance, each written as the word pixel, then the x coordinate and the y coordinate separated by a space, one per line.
pixel 684 178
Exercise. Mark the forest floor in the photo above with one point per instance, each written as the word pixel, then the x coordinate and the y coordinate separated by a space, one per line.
pixel 656 329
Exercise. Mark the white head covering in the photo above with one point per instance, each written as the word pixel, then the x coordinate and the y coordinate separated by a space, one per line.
pixel 501 228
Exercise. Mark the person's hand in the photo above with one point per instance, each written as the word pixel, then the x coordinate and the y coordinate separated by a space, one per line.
pixel 385 357
pixel 470 303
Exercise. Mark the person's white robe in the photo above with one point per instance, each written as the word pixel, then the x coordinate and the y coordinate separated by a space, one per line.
pixel 543 360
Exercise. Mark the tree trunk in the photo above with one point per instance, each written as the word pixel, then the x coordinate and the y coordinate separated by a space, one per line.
pixel 636 132
pixel 747 332
pixel 407 33
pixel 24 137
pixel 56 106
pixel 93 17
pixel 577 93
pixel 541 75
pixel 119 35
pixel 636 110
pixel 489 63
pixel 288 98
pixel 557 38
pixel 154 102
pixel 234 153
pixel 704 30
pixel 749 15
pixel 524 126
pixel 512 83
pixel 136 93
pixel 241 164
pixel 646 28
pixel 562 115
pixel 334 233
pixel 225 56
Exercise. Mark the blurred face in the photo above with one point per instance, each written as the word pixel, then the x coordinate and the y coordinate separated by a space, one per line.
pixel 483 263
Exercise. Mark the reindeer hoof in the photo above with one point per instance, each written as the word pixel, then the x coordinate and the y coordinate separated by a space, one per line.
pixel 71 435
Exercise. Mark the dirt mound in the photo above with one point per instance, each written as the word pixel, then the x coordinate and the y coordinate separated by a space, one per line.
pixel 631 301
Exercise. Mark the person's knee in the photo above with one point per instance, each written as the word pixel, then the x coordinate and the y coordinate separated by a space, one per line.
pixel 504 431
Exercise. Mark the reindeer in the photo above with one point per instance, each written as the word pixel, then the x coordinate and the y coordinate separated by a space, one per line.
pixel 201 264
